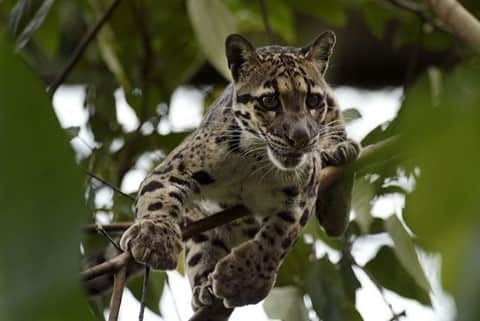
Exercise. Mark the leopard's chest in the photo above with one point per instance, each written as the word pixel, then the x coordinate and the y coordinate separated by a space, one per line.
pixel 262 189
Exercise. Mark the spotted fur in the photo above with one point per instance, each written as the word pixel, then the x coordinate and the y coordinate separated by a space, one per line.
pixel 262 145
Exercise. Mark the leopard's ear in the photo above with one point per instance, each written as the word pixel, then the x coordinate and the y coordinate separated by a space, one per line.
pixel 240 52
pixel 321 49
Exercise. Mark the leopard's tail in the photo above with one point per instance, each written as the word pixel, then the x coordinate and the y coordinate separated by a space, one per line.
pixel 333 206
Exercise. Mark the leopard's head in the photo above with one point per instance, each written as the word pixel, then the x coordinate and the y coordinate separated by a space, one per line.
pixel 280 95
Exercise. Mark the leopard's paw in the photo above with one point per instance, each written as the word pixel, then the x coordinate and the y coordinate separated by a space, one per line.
pixel 245 276
pixel 202 295
pixel 343 153
pixel 156 243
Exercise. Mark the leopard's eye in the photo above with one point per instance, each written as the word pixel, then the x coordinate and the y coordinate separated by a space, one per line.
pixel 314 101
pixel 270 101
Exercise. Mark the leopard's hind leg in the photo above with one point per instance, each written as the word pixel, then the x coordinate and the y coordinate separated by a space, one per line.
pixel 202 252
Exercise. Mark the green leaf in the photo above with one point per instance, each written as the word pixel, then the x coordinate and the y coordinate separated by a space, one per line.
pixel 34 24
pixel 314 229
pixel 249 18
pixel 19 11
pixel 122 208
pixel 286 304
pixel 362 197
pixel 330 11
pixel 96 309
pixel 42 204
pixel 405 251
pixel 295 265
pixel 212 22
pixel 351 114
pixel 72 132
pixel 106 44
pixel 376 17
pixel 326 289
pixel 350 281
pixel 156 283
pixel 387 270
pixel 443 135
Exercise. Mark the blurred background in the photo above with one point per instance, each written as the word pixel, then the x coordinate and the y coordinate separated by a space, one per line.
pixel 94 93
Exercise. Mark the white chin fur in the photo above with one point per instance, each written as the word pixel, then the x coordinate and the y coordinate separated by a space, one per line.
pixel 279 164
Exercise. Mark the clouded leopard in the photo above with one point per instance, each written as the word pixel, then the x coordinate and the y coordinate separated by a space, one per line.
pixel 262 145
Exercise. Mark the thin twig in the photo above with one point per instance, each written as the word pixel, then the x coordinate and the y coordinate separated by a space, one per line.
pixel 112 227
pixel 175 305
pixel 102 231
pixel 146 275
pixel 113 187
pixel 266 23
pixel 80 49
pixel 116 300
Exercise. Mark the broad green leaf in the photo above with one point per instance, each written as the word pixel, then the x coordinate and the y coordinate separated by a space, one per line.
pixel 295 265
pixel 314 229
pixel 96 309
pixel 376 17
pixel 156 283
pixel 286 304
pixel 106 43
pixel 212 22
pixel 350 281
pixel 42 204
pixel 405 251
pixel 387 270
pixel 362 198
pixel 331 12
pixel 442 211
pixel 72 132
pixel 351 114
pixel 122 208
pixel 249 18
pixel 327 291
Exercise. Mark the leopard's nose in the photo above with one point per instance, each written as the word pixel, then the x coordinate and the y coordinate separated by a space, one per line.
pixel 299 137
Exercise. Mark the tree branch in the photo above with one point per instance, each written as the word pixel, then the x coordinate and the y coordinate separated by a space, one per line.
pixel 418 9
pixel 461 22
pixel 110 266
pixel 80 49
pixel 190 230
pixel 116 300
pixel 146 274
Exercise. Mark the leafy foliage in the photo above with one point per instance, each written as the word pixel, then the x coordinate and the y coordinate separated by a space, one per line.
pixel 42 207
pixel 150 48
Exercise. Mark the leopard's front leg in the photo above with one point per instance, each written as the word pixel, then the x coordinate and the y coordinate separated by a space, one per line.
pixel 248 273
pixel 155 237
